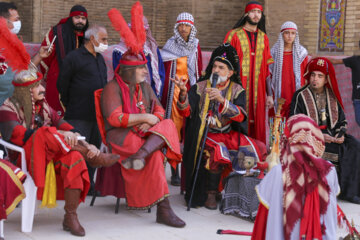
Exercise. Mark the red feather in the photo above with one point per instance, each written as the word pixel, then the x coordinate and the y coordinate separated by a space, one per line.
pixel 13 49
pixel 137 25
pixel 120 25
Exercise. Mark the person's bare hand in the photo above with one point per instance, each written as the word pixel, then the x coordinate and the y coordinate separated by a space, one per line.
pixel 143 127
pixel 70 138
pixel 339 140
pixel 215 94
pixel 181 83
pixel 93 151
pixel 328 138
pixel 152 119
pixel 269 102
pixel 44 51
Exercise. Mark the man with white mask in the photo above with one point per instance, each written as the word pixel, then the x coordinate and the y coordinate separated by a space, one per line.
pixel 226 138
pixel 13 23
pixel 82 72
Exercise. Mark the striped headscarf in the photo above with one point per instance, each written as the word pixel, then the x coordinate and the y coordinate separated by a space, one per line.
pixel 177 47
pixel 277 52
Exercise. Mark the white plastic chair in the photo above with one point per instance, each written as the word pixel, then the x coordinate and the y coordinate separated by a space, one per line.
pixel 28 203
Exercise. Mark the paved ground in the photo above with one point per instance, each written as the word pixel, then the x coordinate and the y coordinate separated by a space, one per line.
pixel 100 222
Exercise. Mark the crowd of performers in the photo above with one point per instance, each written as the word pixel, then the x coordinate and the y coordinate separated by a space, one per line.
pixel 162 107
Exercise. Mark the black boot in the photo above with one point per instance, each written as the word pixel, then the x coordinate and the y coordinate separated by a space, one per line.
pixel 137 160
pixel 175 178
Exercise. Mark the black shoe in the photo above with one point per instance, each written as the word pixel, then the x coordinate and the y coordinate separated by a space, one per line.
pixel 354 199
pixel 175 181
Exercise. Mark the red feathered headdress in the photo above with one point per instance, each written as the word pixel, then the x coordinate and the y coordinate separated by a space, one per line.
pixel 134 38
pixel 12 49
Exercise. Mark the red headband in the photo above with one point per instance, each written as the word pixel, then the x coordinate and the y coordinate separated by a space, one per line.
pixel 134 63
pixel 253 6
pixel 77 13
pixel 288 29
pixel 185 21
pixel 25 84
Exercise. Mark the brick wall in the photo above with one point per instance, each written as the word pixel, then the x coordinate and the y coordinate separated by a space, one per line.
pixel 213 18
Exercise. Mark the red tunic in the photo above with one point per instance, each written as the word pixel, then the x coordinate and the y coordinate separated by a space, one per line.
pixel 49 145
pixel 148 186
pixel 288 85
pixel 11 188
pixel 254 71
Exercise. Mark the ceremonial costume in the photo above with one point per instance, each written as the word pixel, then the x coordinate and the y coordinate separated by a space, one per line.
pixel 182 59
pixel 226 140
pixel 288 69
pixel 67 39
pixel 59 170
pixel 254 55
pixel 155 63
pixel 326 109
pixel 298 196
pixel 11 188
pixel 126 98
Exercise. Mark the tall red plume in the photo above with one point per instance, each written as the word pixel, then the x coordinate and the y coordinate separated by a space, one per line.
pixel 13 49
pixel 137 24
pixel 136 37
pixel 120 25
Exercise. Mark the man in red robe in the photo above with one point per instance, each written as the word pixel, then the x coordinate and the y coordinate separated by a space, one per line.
pixel 135 129
pixel 287 72
pixel 69 33
pixel 54 156
pixel 249 39
pixel 182 58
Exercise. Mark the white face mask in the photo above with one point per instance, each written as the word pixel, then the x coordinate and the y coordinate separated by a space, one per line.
pixel 17 27
pixel 221 79
pixel 101 48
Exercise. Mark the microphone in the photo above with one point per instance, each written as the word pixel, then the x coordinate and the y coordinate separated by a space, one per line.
pixel 214 80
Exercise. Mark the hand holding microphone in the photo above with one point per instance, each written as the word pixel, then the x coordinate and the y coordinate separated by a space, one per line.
pixel 214 93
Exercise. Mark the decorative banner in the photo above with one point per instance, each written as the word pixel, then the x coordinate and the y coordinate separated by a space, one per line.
pixel 332 26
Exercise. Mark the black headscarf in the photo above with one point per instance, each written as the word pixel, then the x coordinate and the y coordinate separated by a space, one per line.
pixel 65 34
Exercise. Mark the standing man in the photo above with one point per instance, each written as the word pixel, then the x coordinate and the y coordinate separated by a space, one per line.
pixel 9 12
pixel 287 72
pixel 354 64
pixel 155 63
pixel 69 33
pixel 226 137
pixel 83 71
pixel 249 39
pixel 182 59
pixel 320 99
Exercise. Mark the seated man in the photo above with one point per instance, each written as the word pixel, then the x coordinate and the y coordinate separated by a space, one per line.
pixel 226 132
pixel 320 99
pixel 135 129
pixel 303 206
pixel 28 121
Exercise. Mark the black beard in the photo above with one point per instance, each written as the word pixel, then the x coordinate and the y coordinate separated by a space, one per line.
pixel 251 22
pixel 78 27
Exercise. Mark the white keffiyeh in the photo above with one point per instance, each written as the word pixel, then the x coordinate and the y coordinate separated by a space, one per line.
pixel 177 47
pixel 277 52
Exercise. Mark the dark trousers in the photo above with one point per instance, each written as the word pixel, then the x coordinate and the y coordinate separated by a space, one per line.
pixel 90 130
